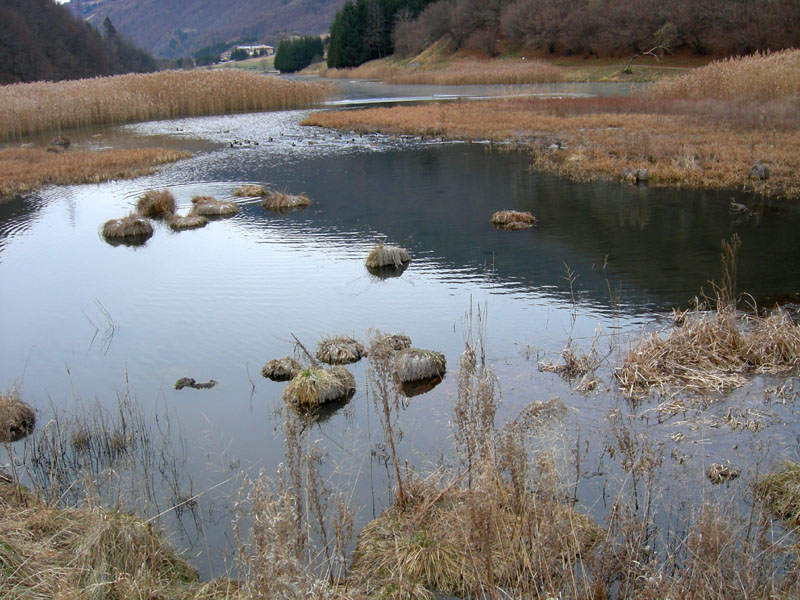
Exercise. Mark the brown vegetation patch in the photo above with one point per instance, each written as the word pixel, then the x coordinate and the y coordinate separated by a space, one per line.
pixel 711 353
pixel 281 369
pixel 384 255
pixel 250 190
pixel 314 386
pixel 780 492
pixel 24 170
pixel 29 107
pixel 513 219
pixel 416 364
pixel 130 230
pixel 184 222
pixel 281 202
pixel 206 206
pixel 340 350
pixel 17 419
pixel 466 542
pixel 156 204
pixel 455 72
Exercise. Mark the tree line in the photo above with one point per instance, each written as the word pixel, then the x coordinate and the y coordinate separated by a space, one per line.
pixel 296 54
pixel 42 40
pixel 564 27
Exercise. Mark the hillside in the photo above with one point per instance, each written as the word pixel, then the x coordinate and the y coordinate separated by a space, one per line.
pixel 40 40
pixel 175 28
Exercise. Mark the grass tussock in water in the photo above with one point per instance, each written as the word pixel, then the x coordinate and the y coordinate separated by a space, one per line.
pixel 280 201
pixel 250 190
pixel 340 350
pixel 206 206
pixel 457 72
pixel 185 222
pixel 384 255
pixel 780 492
pixel 17 418
pixel 26 108
pixel 689 140
pixel 24 170
pixel 513 219
pixel 156 204
pixel 415 364
pixel 130 229
pixel 314 386
pixel 281 369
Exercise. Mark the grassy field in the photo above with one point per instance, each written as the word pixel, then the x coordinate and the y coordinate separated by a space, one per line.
pixel 705 129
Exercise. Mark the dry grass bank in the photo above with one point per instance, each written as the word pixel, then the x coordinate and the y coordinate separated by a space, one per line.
pixel 457 72
pixel 24 170
pixel 30 107
pixel 702 142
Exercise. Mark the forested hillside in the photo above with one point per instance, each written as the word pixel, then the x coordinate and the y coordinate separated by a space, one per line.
pixel 41 40
pixel 176 28
pixel 565 27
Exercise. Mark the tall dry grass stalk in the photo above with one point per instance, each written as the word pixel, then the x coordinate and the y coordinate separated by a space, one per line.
pixel 760 77
pixel 26 108
pixel 24 170
pixel 461 72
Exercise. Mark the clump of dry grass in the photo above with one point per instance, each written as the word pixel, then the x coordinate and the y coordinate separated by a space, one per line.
pixel 513 219
pixel 206 206
pixel 468 542
pixel 457 72
pixel 184 222
pixel 280 202
pixel 281 369
pixel 156 204
pixel 574 363
pixel 30 107
pixel 47 552
pixel 741 78
pixel 711 353
pixel 340 350
pixel 250 190
pixel 384 255
pixel 391 341
pixel 131 230
pixel 780 492
pixel 17 418
pixel 415 364
pixel 314 386
pixel 24 170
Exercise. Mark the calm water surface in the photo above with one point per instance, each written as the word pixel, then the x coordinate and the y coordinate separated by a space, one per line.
pixel 82 321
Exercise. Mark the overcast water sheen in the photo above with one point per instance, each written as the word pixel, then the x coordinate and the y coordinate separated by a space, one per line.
pixel 82 320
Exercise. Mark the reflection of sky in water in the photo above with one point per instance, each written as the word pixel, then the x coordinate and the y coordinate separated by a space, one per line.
pixel 220 301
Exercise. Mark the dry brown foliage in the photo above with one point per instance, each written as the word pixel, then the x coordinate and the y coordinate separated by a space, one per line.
pixel 24 170
pixel 281 369
pixel 250 190
pixel 314 386
pixel 29 107
pixel 156 204
pixel 279 201
pixel 384 255
pixel 415 364
pixel 780 492
pixel 17 419
pixel 513 219
pixel 205 206
pixel 457 72
pixel 340 350
pixel 184 222
pixel 129 229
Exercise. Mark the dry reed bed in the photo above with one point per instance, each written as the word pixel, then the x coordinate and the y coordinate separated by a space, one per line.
pixel 462 72
pixel 17 419
pixel 26 108
pixel 780 492
pixel 711 353
pixel 24 170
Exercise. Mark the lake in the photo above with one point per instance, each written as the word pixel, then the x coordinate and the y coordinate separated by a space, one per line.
pixel 83 322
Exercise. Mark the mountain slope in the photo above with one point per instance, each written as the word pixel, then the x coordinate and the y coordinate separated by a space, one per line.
pixel 174 28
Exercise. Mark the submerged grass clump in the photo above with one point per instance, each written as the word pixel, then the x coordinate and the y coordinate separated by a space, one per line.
pixel 17 418
pixel 384 255
pixel 131 229
pixel 513 219
pixel 415 364
pixel 281 369
pixel 279 201
pixel 314 386
pixel 340 350
pixel 780 492
pixel 156 204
